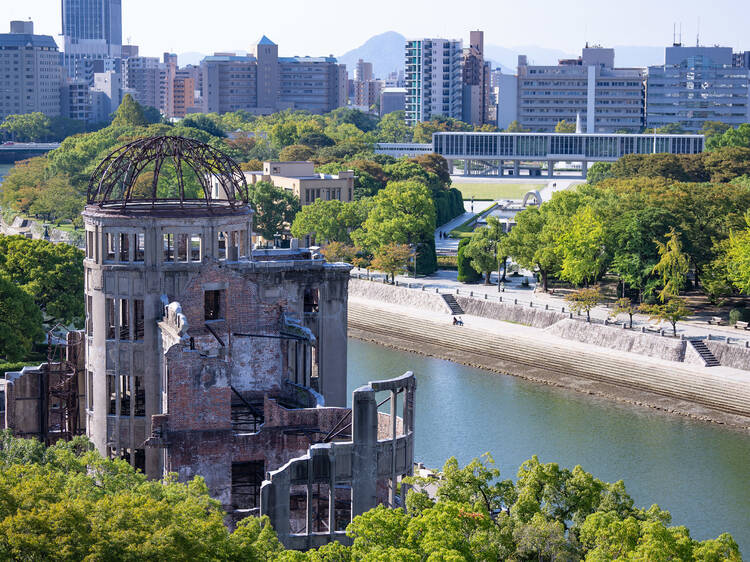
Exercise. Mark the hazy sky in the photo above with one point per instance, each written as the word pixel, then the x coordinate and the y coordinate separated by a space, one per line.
pixel 322 27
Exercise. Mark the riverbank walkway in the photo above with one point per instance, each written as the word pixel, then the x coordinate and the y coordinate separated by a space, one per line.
pixel 719 394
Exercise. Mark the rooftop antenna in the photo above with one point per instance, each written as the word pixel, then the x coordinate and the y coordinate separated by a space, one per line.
pixel 680 34
pixel 698 34
pixel 674 34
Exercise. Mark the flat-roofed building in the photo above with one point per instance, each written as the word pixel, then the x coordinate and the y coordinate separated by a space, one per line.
pixel 300 178
pixel 698 84
pixel 30 72
pixel 606 98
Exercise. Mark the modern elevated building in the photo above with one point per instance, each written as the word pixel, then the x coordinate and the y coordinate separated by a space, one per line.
pixel 500 153
pixel 203 357
pixel 698 84
pixel 608 99
pixel 30 72
pixel 433 79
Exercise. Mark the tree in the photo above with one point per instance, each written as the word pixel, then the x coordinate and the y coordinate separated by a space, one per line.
pixel 584 300
pixel 599 171
pixel 330 221
pixel 316 140
pixel 515 127
pixel 393 128
pixel 739 136
pixel 672 311
pixel 392 258
pixel 129 114
pixel 565 127
pixel 402 213
pixel 581 246
pixel 711 129
pixel 20 321
pixel 58 201
pixel 295 152
pixel 737 261
pixel 532 243
pixel 483 247
pixel 466 273
pixel 52 274
pixel 31 127
pixel 673 266
pixel 204 123
pixel 274 208
pixel 624 306
pixel 338 252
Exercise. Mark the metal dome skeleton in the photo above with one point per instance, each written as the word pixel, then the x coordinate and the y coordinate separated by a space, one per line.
pixel 115 182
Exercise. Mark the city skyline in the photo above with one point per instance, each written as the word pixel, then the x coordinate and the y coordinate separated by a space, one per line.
pixel 545 24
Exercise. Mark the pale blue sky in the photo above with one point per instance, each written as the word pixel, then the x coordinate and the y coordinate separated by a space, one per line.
pixel 322 27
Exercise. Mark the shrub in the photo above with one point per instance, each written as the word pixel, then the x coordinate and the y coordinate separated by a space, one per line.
pixel 466 273
pixel 737 314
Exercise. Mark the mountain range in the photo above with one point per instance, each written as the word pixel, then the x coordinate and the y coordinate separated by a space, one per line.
pixel 386 53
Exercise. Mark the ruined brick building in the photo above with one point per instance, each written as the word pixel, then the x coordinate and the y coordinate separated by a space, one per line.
pixel 204 357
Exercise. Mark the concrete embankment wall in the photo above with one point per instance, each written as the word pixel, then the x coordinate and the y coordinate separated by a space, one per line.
pixel 612 337
pixel 703 393
pixel 425 300
pixel 734 356
pixel 536 317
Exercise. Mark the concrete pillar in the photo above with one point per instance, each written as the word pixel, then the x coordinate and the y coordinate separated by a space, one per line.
pixel 584 169
pixel 274 501
pixel 466 167
pixel 550 168
pixel 364 450
pixel 516 168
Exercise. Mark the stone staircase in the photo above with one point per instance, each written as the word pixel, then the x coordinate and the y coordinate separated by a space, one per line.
pixel 450 300
pixel 504 351
pixel 705 353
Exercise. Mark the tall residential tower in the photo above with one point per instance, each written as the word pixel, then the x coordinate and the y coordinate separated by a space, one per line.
pixel 91 29
pixel 433 79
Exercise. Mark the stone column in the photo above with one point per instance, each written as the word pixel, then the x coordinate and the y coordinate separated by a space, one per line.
pixel 364 450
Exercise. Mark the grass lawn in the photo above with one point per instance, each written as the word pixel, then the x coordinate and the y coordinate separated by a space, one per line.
pixel 480 190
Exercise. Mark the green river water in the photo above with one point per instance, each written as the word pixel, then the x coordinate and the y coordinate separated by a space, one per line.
pixel 697 471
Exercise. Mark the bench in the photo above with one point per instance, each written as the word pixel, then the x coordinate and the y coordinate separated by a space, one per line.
pixel 740 325
pixel 718 320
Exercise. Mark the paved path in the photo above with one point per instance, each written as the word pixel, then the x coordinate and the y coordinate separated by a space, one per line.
pixel 452 243
pixel 513 288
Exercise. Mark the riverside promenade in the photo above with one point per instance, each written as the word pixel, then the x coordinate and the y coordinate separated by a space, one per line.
pixel 421 322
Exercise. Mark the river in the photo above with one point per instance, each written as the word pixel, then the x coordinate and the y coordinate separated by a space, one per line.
pixel 4 169
pixel 697 471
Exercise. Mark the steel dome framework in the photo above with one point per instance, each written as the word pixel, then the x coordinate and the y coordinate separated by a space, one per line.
pixel 114 183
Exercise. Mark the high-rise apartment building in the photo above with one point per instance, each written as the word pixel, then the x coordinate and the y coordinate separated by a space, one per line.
pixel 30 72
pixel 143 75
pixel 606 98
pixel 91 29
pixel 433 79
pixel 476 82
pixel 264 82
pixel 183 96
pixel 697 84
pixel 363 71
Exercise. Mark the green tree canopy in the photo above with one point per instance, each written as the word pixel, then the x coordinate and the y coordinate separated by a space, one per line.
pixel 129 114
pixel 402 213
pixel 275 208
pixel 565 127
pixel 52 274
pixel 20 321
pixel 30 127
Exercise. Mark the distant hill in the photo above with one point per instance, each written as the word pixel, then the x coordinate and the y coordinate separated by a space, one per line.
pixel 384 51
